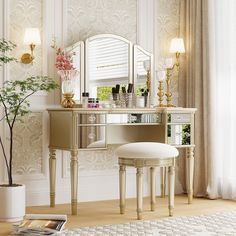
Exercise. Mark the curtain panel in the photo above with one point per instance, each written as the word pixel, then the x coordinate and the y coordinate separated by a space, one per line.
pixel 193 81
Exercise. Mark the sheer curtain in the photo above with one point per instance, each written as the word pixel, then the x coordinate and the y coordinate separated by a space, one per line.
pixel 222 99
pixel 209 84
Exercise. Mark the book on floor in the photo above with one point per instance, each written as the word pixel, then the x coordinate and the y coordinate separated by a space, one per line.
pixel 40 224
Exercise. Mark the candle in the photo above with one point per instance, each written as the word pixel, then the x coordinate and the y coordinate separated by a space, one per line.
pixel 146 65
pixel 161 75
pixel 168 62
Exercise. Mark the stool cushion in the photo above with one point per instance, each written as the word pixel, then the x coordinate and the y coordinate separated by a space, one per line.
pixel 147 150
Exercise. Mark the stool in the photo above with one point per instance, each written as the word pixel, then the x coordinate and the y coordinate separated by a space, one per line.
pixel 146 154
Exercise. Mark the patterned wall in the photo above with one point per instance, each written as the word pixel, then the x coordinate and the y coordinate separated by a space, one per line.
pixel 167 27
pixel 24 14
pixel 27 135
pixel 28 145
pixel 91 17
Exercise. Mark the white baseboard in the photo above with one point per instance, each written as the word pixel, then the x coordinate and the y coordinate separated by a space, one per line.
pixel 91 188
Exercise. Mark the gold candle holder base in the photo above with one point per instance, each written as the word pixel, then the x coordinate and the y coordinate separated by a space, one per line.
pixel 160 94
pixel 68 101
pixel 168 92
pixel 171 105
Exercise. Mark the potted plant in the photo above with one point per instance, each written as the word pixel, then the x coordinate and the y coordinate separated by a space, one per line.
pixel 15 105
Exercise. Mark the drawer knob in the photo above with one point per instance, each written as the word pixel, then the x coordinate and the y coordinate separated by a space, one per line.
pixel 91 136
pixel 91 118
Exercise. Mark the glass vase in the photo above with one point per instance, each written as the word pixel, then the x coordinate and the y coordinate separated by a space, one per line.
pixel 68 83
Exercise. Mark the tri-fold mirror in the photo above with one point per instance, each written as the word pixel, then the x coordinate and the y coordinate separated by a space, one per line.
pixel 105 60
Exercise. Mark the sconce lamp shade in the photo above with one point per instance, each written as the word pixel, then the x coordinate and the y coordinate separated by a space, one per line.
pixel 32 36
pixel 177 45
pixel 147 65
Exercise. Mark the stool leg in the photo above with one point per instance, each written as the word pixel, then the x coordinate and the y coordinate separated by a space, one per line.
pixel 122 188
pixel 139 179
pixel 153 187
pixel 163 181
pixel 171 197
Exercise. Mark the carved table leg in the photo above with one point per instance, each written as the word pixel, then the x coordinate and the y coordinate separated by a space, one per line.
pixel 139 179
pixel 122 188
pixel 163 181
pixel 52 176
pixel 189 176
pixel 74 180
pixel 153 187
pixel 171 197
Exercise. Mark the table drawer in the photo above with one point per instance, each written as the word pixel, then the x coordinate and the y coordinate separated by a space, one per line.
pixel 180 118
pixel 93 136
pixel 92 119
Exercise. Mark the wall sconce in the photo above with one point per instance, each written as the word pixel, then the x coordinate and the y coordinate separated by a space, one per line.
pixel 177 47
pixel 31 38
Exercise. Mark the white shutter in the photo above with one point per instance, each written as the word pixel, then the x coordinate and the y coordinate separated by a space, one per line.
pixel 108 59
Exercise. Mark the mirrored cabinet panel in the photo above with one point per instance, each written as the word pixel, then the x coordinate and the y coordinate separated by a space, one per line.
pixel 108 62
pixel 92 136
pixel 135 118
pixel 179 134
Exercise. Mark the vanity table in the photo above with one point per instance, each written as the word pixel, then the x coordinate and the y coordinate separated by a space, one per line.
pixel 77 129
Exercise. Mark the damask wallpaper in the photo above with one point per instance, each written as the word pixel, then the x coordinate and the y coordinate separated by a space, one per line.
pixel 167 27
pixel 28 145
pixel 91 17
pixel 28 134
pixel 23 14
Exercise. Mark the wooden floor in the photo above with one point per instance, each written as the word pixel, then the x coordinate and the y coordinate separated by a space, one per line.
pixel 107 212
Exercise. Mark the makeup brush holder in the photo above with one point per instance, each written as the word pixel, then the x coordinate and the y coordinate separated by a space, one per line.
pixel 143 101
pixel 127 100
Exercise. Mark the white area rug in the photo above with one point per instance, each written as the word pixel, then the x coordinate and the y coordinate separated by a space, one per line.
pixel 220 224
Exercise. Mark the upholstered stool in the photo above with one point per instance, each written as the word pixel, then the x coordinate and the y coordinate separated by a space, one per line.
pixel 146 154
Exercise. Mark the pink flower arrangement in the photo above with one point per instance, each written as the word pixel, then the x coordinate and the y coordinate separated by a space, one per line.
pixel 64 60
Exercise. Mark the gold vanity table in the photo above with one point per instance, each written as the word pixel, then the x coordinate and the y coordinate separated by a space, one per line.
pixel 94 128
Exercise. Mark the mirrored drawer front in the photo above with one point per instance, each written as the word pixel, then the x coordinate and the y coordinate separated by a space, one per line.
pixel 145 118
pixel 92 118
pixel 179 134
pixel 179 118
pixel 92 136
pixel 134 118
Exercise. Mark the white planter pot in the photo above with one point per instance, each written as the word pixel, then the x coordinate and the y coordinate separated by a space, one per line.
pixel 12 203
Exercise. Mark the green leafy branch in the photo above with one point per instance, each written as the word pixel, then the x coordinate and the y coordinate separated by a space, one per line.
pixel 13 97
pixel 6 46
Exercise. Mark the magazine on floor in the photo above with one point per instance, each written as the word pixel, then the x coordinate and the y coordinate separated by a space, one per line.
pixel 40 224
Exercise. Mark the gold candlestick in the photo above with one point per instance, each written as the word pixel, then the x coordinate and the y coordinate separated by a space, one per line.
pixel 160 93
pixel 148 81
pixel 168 92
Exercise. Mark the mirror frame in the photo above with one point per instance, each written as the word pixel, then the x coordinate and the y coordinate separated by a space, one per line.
pixel 135 53
pixel 81 71
pixel 130 56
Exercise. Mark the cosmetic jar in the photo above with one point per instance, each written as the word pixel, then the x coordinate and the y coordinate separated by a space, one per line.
pixel 85 97
pixel 93 102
